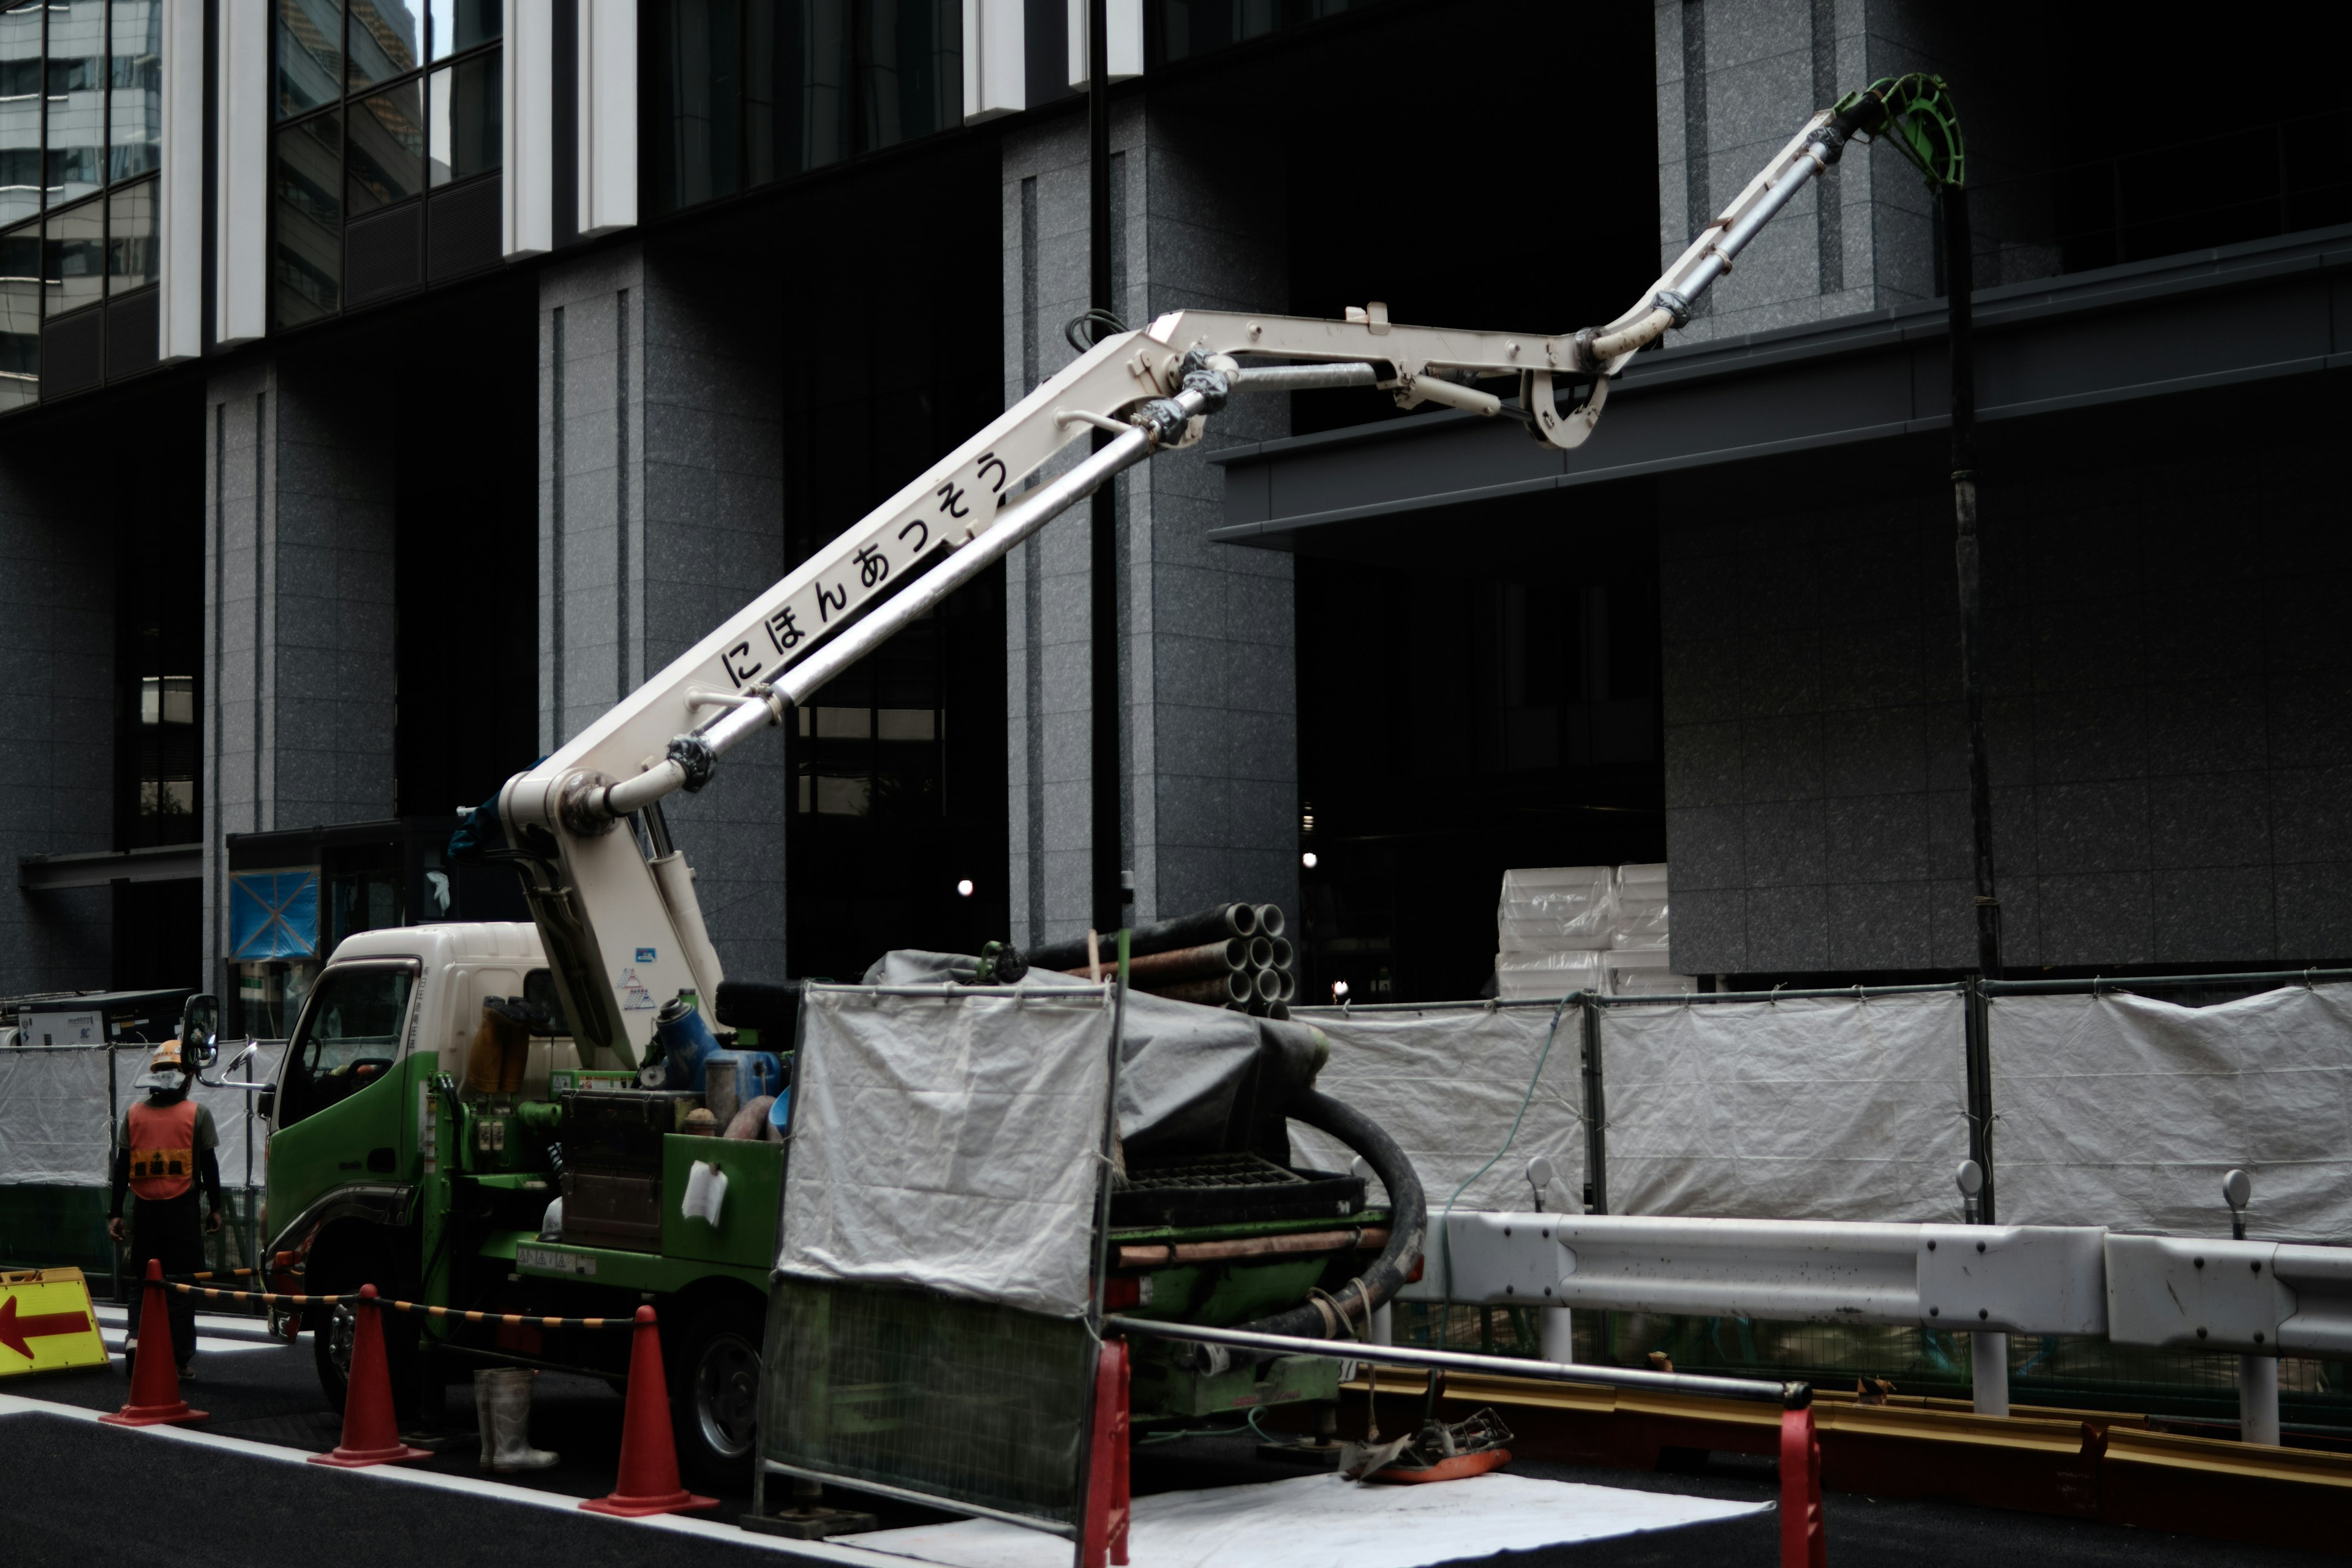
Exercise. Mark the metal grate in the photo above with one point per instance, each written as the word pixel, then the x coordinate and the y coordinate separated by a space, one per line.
pixel 974 1404
pixel 1239 1170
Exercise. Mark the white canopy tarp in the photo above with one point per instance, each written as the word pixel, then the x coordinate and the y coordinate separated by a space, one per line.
pixel 1446 1082
pixel 951 1140
pixel 2126 1111
pixel 1804 1109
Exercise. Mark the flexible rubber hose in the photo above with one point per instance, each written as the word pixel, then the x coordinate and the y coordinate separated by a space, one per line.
pixel 1408 1220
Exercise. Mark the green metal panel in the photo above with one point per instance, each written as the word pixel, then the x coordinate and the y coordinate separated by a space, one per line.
pixel 55 1227
pixel 746 1233
pixel 1161 1388
pixel 330 1148
pixel 536 1259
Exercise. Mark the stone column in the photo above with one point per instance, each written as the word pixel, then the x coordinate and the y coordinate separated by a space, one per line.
pixel 298 681
pixel 1738 77
pixel 661 512
pixel 56 714
pixel 1209 734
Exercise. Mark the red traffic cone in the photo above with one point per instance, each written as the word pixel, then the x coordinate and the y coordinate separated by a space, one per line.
pixel 648 1481
pixel 155 1377
pixel 371 1432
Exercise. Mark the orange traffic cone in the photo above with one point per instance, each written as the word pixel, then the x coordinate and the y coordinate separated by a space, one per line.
pixel 154 1375
pixel 371 1432
pixel 648 1481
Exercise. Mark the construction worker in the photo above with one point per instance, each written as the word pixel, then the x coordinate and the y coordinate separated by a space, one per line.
pixel 163 1147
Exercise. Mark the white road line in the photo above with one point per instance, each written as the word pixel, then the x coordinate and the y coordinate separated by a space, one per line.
pixel 502 1491
pixel 205 1343
pixel 111 1316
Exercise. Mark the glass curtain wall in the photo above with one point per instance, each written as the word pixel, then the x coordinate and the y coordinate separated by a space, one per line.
pixel 1179 29
pixel 81 138
pixel 740 93
pixel 378 102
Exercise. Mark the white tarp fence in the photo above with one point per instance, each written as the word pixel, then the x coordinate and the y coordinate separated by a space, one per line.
pixel 2126 1111
pixel 53 1117
pixel 951 1140
pixel 56 1115
pixel 1446 1081
pixel 1844 1108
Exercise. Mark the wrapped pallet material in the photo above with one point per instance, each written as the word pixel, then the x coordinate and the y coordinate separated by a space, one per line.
pixel 1639 946
pixel 1519 975
pixel 1554 909
pixel 1639 971
pixel 1551 929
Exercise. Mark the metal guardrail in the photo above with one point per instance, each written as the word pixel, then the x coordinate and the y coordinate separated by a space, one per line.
pixel 2043 1280
pixel 2260 1299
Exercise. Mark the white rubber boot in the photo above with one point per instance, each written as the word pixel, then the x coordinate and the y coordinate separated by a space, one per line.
pixel 508 1403
pixel 482 1376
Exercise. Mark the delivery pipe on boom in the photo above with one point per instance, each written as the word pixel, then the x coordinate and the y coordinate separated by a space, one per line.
pixel 601 909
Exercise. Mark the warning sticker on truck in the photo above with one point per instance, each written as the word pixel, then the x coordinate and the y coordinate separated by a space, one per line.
pixel 547 1260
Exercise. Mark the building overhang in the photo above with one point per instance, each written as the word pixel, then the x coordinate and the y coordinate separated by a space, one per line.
pixel 103 868
pixel 2181 323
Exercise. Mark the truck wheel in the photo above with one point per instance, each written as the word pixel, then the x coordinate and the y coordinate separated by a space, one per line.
pixel 715 1395
pixel 330 1350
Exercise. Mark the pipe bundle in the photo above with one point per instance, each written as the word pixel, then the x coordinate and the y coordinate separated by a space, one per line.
pixel 1228 955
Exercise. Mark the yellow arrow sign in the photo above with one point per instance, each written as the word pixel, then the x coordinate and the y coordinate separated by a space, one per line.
pixel 46 1323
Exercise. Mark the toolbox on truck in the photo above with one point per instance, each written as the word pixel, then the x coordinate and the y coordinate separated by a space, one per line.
pixel 613 1164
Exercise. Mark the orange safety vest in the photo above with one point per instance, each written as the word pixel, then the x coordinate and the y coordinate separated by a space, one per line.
pixel 162 1148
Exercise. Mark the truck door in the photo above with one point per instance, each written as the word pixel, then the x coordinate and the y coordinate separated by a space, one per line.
pixel 339 1120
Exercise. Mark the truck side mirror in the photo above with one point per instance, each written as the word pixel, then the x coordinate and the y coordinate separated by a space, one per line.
pixel 200 1019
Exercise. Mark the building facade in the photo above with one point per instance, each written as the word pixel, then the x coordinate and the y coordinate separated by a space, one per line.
pixel 389 386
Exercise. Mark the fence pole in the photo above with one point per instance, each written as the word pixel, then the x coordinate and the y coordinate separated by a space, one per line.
pixel 1976 1031
pixel 113 1148
pixel 1596 1114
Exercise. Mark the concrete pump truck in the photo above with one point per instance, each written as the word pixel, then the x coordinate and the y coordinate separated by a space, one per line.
pixel 395 1158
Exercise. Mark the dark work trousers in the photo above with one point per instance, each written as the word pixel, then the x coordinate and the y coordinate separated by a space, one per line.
pixel 172 1230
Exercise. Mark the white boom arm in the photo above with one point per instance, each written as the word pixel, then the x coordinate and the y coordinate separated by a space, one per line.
pixel 622 927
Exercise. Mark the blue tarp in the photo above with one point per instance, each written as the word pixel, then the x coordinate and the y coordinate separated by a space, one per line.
pixel 273 914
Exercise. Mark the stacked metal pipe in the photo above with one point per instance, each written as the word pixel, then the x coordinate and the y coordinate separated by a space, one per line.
pixel 1228 955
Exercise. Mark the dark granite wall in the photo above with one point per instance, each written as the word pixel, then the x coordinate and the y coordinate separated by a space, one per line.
pixel 2169 665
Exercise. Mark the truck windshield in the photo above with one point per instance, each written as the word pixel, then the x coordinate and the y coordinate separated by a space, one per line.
pixel 349 1038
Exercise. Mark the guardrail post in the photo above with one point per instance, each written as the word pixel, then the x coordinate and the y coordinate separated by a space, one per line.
pixel 1555 1334
pixel 1989 1371
pixel 2258 1401
pixel 1596 1113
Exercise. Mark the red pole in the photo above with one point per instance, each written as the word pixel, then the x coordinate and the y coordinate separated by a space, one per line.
pixel 1105 1536
pixel 1803 1541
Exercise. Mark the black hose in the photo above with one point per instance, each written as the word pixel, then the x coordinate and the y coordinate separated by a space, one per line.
pixel 1408 1223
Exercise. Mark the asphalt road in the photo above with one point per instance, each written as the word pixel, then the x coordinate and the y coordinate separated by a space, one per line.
pixel 75 1490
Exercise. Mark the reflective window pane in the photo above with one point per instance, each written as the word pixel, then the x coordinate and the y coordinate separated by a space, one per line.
pixel 77 98
pixel 466 124
pixel 462 24
pixel 385 160
pixel 307 260
pixel 73 258
pixel 20 110
pixel 795 89
pixel 385 36
pixel 135 138
pixel 914 70
pixel 694 73
pixel 131 248
pixel 20 316
pixel 309 54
